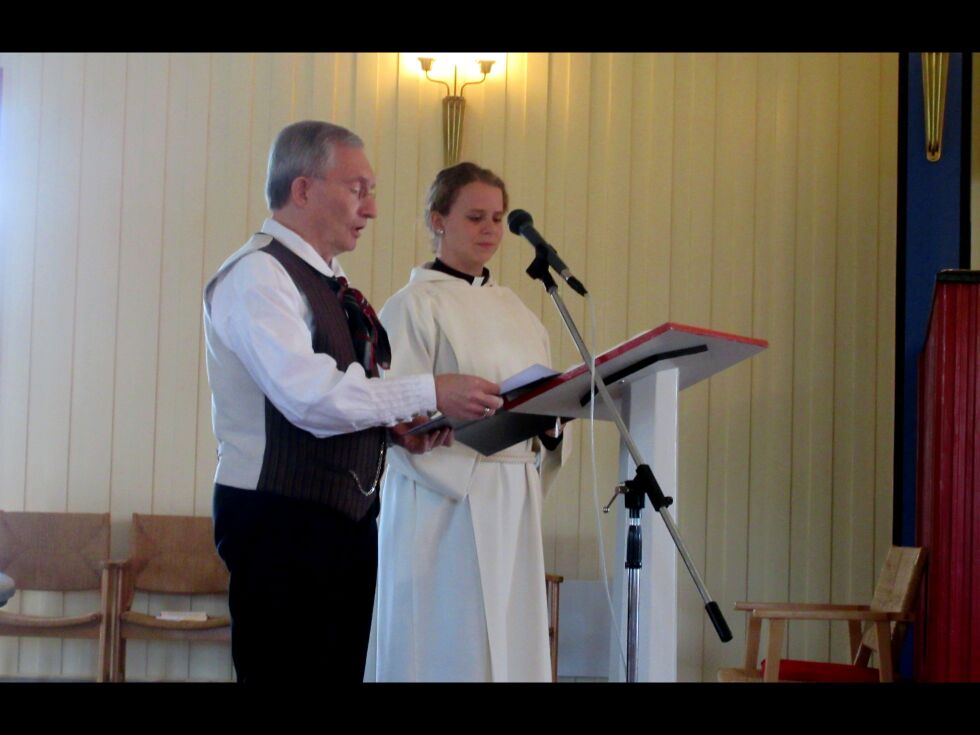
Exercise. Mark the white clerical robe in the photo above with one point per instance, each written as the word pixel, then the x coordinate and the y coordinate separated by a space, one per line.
pixel 461 591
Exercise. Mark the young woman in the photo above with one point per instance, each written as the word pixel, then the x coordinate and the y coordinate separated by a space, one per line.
pixel 461 592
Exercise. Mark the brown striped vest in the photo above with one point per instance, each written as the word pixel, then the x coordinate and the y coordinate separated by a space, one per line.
pixel 341 472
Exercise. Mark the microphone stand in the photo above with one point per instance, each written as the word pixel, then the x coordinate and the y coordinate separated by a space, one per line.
pixel 634 491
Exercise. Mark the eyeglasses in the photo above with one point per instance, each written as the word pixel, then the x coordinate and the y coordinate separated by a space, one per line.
pixel 360 188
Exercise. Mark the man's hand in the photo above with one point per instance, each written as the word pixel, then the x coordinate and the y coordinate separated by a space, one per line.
pixel 467 396
pixel 420 443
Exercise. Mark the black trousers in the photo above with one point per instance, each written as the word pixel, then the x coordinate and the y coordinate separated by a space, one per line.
pixel 302 587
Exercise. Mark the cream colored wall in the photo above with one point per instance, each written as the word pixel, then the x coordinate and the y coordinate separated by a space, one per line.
pixel 752 193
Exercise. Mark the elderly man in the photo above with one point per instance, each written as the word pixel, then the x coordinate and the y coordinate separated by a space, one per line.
pixel 300 416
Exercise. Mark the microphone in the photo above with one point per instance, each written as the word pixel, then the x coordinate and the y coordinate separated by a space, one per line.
pixel 521 223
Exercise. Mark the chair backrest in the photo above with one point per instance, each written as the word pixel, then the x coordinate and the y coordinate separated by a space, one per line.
pixel 176 555
pixel 899 579
pixel 897 588
pixel 54 551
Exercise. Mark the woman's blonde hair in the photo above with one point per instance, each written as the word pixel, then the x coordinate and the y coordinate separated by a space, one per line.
pixel 446 187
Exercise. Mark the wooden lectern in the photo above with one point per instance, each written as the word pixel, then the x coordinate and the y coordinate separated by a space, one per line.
pixel 644 375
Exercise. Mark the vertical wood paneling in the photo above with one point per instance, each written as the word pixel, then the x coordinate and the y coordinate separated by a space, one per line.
pixel 608 204
pixel 429 147
pixel 225 226
pixel 770 478
pixel 605 292
pixel 358 264
pixel 176 441
pixel 304 91
pixel 387 236
pixel 852 578
pixel 97 277
pixel 575 238
pixel 404 202
pixel 181 277
pixel 325 80
pixel 887 173
pixel 272 109
pixel 570 483
pixel 524 153
pixel 534 178
pixel 813 420
pixel 489 114
pixel 690 303
pixel 138 316
pixel 748 193
pixel 19 154
pixel 726 554
pixel 605 276
pixel 650 185
pixel 519 157
pixel 345 83
pixel 266 120
pixel 95 309
pixel 137 319
pixel 55 263
pixel 53 319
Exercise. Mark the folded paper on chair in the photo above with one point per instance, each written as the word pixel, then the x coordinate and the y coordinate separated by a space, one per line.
pixel 195 615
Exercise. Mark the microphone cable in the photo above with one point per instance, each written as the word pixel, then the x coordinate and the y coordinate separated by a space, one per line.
pixel 595 485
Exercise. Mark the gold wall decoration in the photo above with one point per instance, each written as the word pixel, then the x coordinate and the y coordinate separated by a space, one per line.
pixel 935 71
pixel 453 104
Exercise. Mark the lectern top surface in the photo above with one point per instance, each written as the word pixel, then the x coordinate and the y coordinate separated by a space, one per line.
pixel 698 353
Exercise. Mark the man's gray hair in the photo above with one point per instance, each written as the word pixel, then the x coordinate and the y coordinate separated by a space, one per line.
pixel 302 149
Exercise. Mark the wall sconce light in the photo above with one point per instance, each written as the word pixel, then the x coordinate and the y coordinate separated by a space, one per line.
pixel 935 70
pixel 453 105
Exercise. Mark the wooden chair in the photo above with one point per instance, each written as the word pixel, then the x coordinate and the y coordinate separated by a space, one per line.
pixel 553 583
pixel 886 617
pixel 57 552
pixel 168 555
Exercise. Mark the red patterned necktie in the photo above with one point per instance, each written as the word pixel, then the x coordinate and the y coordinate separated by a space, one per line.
pixel 370 338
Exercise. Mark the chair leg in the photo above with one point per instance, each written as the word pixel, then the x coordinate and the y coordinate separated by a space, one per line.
pixel 117 649
pixel 753 631
pixel 886 666
pixel 107 626
pixel 854 637
pixel 105 654
pixel 119 660
pixel 774 650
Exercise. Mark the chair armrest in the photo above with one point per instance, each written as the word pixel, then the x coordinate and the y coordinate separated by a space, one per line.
pixel 828 614
pixel 749 606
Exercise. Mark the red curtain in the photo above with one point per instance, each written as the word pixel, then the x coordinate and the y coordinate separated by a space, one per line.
pixel 947 645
